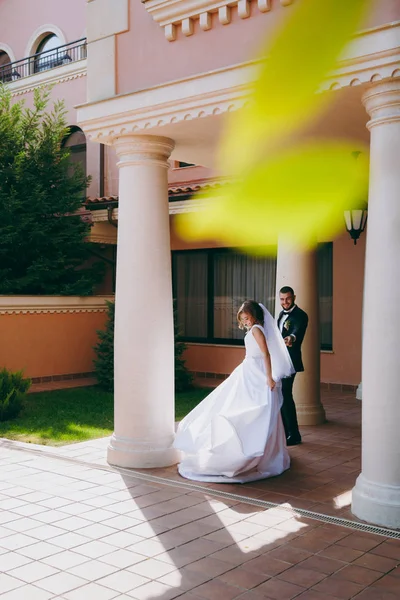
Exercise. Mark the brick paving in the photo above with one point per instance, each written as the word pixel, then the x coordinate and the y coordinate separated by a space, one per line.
pixel 72 528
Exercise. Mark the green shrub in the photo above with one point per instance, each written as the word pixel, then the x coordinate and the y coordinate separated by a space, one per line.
pixel 104 361
pixel 183 377
pixel 13 388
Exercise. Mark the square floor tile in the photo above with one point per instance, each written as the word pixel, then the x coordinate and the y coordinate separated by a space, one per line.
pixel 8 583
pixel 46 532
pixel 65 560
pixel 60 583
pixel 92 591
pixel 32 572
pixel 94 549
pixel 39 550
pixel 69 540
pixel 155 589
pixel 152 568
pixel 92 570
pixel 122 559
pixel 27 592
pixel 123 581
pixel 97 531
pixel 17 541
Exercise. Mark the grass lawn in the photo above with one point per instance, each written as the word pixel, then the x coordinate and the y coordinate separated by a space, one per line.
pixel 76 415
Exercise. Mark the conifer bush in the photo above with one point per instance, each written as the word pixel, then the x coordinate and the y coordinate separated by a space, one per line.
pixel 104 361
pixel 13 389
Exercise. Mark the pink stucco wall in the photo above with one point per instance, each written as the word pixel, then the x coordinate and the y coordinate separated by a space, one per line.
pixel 383 11
pixel 19 19
pixel 146 58
pixel 145 44
pixel 344 364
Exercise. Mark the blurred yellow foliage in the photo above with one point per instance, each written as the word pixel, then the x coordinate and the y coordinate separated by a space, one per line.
pixel 291 190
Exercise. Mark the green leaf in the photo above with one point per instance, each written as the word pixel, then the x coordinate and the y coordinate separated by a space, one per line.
pixel 296 196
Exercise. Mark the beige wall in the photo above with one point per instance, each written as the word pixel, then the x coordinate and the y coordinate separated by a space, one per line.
pixel 49 343
pixel 344 364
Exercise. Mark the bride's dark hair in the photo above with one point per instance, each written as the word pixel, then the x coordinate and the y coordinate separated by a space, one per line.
pixel 251 307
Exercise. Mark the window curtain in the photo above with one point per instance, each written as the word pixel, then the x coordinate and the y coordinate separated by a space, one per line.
pixel 191 290
pixel 238 277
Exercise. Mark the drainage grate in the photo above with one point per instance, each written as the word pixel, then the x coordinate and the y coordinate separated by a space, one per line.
pixel 193 487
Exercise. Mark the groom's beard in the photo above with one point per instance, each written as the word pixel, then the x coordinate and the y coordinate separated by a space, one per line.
pixel 287 308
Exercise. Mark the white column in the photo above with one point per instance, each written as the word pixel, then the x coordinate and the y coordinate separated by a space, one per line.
pixel 376 496
pixel 144 333
pixel 299 270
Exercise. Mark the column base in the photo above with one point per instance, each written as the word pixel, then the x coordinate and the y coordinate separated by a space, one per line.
pixel 310 415
pixel 359 392
pixel 129 453
pixel 376 503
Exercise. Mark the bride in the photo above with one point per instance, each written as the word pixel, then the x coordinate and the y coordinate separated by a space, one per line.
pixel 236 433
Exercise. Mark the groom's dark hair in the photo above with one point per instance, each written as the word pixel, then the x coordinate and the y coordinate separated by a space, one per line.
pixel 251 307
pixel 286 289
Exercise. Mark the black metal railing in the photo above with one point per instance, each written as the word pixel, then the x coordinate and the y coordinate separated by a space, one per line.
pixel 42 61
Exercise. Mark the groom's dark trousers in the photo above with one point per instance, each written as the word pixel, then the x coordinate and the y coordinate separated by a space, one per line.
pixel 296 325
pixel 288 410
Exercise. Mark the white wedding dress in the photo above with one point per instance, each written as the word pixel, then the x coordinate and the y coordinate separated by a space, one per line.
pixel 236 434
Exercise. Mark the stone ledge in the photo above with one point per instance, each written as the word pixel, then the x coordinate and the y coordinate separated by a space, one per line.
pixel 171 14
pixel 10 305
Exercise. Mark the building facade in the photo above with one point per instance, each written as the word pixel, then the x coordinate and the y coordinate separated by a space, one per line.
pixel 148 85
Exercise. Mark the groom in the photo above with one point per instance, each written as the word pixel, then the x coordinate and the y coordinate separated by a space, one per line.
pixel 292 323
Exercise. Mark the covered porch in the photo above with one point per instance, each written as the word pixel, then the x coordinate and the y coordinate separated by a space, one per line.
pixel 182 120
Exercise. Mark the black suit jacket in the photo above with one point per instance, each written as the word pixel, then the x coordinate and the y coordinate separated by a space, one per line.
pixel 295 324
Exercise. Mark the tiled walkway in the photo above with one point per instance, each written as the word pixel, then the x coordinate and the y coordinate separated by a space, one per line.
pixel 74 529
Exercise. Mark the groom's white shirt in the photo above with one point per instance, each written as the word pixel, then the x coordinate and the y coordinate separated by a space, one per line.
pixel 284 318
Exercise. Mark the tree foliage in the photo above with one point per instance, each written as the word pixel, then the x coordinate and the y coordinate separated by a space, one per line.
pixel 13 389
pixel 104 362
pixel 43 248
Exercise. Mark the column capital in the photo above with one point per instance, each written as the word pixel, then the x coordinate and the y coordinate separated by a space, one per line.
pixel 143 150
pixel 382 102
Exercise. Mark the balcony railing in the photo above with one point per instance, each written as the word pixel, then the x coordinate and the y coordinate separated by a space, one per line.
pixel 42 61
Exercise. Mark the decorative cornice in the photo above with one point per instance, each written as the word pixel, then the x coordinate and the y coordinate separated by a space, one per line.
pixel 167 104
pixel 54 76
pixel 187 206
pixel 175 208
pixel 16 305
pixel 101 216
pixel 159 109
pixel 171 14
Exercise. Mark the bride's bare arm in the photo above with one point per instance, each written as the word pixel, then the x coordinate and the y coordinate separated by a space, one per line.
pixel 262 343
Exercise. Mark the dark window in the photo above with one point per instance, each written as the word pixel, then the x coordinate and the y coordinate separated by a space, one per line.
pixel 325 287
pixel 47 54
pixel 76 144
pixel 183 165
pixel 5 68
pixel 210 285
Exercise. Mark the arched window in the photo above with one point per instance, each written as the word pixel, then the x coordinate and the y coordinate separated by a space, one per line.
pixel 76 144
pixel 5 67
pixel 47 54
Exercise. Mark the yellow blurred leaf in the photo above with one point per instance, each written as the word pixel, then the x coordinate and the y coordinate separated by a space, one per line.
pixel 295 196
pixel 304 50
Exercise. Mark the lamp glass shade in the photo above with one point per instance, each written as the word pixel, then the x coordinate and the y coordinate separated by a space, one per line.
pixel 357 219
pixel 347 218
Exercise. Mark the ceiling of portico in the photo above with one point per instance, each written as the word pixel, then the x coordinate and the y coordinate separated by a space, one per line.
pixel 196 141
